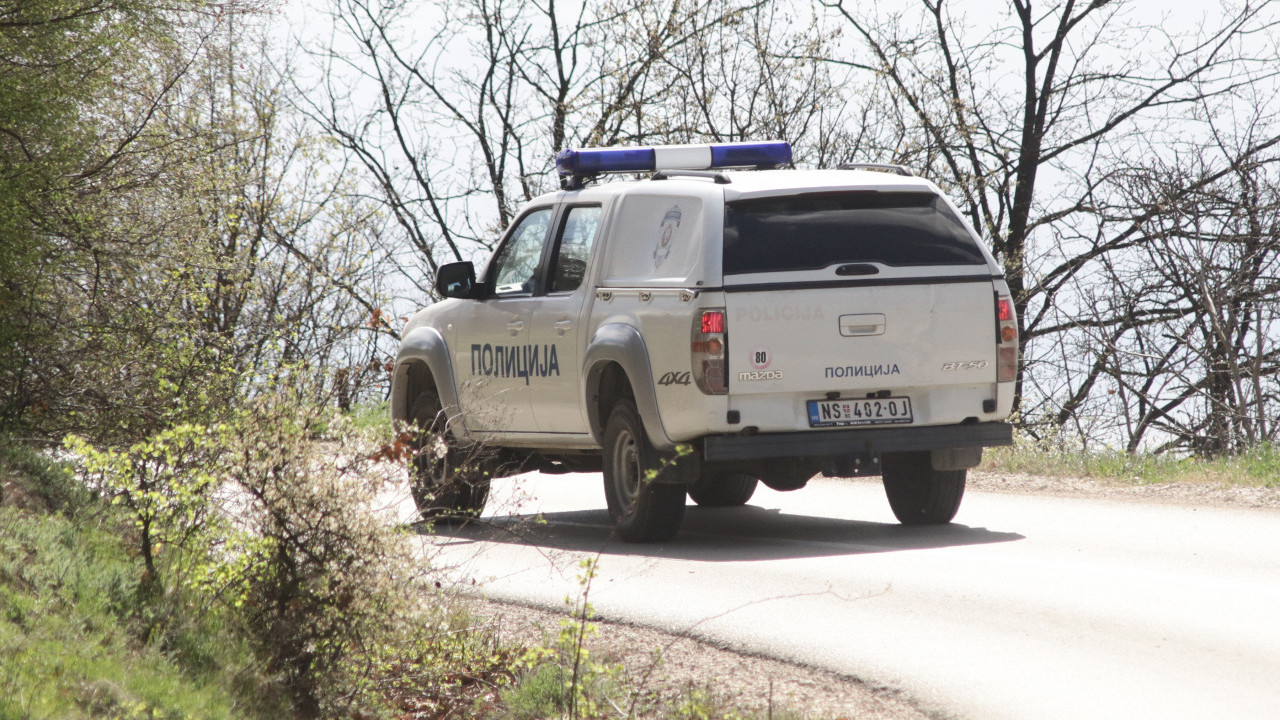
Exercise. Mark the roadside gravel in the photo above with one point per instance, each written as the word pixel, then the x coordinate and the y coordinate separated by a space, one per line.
pixel 752 686
pixel 772 689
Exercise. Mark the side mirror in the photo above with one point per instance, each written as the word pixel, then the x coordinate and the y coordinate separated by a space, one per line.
pixel 456 280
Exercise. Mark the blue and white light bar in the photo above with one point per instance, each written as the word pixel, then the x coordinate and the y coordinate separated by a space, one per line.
pixel 585 162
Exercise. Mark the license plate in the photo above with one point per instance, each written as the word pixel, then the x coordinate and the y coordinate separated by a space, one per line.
pixel 863 411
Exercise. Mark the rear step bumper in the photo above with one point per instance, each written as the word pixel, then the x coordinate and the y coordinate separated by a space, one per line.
pixel 871 441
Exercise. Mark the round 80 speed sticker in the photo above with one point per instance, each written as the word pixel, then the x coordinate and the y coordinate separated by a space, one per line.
pixel 761 358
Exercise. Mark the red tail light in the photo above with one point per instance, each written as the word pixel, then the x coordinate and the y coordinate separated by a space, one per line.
pixel 1004 309
pixel 708 350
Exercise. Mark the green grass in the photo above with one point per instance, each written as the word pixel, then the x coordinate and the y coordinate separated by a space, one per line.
pixel 540 693
pixel 69 616
pixel 372 417
pixel 1260 467
pixel 64 636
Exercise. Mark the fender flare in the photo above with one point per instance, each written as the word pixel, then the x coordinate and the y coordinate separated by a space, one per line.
pixel 622 344
pixel 427 346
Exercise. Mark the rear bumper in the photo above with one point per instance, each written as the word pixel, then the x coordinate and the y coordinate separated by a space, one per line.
pixel 857 441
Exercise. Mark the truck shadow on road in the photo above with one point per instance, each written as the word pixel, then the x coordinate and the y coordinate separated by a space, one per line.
pixel 720 535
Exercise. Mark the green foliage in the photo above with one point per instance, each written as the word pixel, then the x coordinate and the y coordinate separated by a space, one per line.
pixel 678 461
pixel 540 693
pixel 65 65
pixel 291 571
pixel 711 703
pixel 294 556
pixel 299 601
pixel 371 417
pixel 1261 462
pixel 327 586
pixel 164 483
pixel 328 592
pixel 454 668
pixel 169 239
pixel 561 678
pixel 290 595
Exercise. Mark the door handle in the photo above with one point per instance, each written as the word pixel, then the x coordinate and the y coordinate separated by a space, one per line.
pixel 862 324
pixel 563 326
pixel 857 269
pixel 515 326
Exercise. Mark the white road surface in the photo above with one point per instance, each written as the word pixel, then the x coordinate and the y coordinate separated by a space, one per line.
pixel 1027 607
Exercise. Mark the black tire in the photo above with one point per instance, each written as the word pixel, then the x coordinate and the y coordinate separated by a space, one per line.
pixel 918 494
pixel 642 510
pixel 450 482
pixel 725 489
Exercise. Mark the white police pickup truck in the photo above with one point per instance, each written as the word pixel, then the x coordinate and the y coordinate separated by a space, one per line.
pixel 702 330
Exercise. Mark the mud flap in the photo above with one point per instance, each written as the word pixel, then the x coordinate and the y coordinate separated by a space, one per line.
pixel 955 458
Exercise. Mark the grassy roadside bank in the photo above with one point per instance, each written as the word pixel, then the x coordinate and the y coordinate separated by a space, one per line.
pixel 1260 467
pixel 217 624
pixel 81 634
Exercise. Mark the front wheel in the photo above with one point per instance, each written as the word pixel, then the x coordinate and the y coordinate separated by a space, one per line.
pixel 918 494
pixel 449 481
pixel 643 510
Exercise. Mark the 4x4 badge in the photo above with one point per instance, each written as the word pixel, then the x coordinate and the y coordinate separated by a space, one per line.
pixel 676 378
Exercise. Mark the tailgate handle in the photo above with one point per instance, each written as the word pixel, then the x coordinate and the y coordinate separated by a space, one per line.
pixel 858 269
pixel 862 325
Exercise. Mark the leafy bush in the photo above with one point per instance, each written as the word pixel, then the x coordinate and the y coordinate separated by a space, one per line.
pixel 164 483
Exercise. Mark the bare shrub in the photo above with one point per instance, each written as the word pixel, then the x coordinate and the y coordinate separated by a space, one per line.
pixel 325 585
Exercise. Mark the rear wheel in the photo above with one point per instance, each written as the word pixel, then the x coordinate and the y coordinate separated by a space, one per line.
pixel 449 480
pixel 724 489
pixel 918 494
pixel 643 510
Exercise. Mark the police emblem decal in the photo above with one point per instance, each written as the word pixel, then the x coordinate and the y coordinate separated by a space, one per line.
pixel 670 222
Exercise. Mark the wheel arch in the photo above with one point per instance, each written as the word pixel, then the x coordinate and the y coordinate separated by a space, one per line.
pixel 423 360
pixel 617 366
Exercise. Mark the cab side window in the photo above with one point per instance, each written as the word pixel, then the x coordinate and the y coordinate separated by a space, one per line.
pixel 514 269
pixel 576 235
